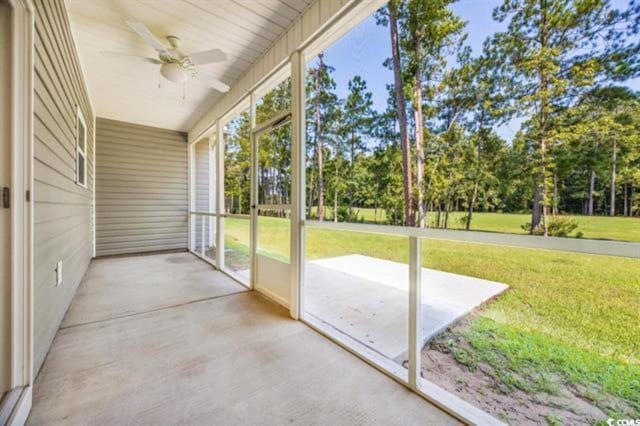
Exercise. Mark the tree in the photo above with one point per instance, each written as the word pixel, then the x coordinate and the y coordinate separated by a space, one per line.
pixel 274 149
pixel 551 54
pixel 601 133
pixel 237 158
pixel 389 16
pixel 357 121
pixel 431 32
pixel 323 112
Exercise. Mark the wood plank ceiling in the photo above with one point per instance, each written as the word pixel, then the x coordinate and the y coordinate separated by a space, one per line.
pixel 129 90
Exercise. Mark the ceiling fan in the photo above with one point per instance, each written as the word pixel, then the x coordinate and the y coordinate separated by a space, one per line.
pixel 176 66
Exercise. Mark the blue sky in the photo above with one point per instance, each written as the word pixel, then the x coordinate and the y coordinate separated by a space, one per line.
pixel 363 50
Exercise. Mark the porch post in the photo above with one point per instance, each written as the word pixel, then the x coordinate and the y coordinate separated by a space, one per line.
pixel 191 188
pixel 219 205
pixel 297 183
pixel 202 235
pixel 415 303
pixel 253 226
pixel 212 192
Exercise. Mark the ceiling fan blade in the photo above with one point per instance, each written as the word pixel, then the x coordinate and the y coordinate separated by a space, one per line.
pixel 208 56
pixel 126 56
pixel 142 30
pixel 212 82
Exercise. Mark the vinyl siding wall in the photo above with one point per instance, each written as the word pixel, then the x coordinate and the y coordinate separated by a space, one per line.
pixel 62 209
pixel 141 188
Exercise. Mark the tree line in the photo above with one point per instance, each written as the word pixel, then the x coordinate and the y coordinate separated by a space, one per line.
pixel 434 149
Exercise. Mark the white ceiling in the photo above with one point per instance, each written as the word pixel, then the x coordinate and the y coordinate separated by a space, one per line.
pixel 128 91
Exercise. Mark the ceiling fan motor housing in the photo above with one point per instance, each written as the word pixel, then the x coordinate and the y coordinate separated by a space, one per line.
pixel 174 41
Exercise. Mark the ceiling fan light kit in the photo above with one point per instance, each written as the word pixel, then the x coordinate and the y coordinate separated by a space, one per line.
pixel 174 72
pixel 174 65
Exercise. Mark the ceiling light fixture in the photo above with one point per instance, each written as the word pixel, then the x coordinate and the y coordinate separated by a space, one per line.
pixel 174 72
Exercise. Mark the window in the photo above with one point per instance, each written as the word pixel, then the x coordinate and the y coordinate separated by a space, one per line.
pixel 81 149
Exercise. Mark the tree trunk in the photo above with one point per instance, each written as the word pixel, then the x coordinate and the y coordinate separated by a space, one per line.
pixel 542 200
pixel 402 114
pixel 447 204
pixel 614 154
pixel 539 213
pixel 536 214
pixel 335 194
pixel 625 202
pixel 419 123
pixel 319 147
pixel 472 202
pixel 351 183
pixel 419 136
pixel 310 194
pixel 375 203
pixel 592 186
pixel 554 211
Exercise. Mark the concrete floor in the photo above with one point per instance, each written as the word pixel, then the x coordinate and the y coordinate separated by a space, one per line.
pixel 367 299
pixel 120 286
pixel 232 358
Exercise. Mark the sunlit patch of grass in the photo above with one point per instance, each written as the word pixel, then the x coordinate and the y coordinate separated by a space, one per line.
pixel 527 360
pixel 596 227
pixel 553 419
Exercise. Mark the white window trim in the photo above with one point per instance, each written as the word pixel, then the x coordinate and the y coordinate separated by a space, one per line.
pixel 83 152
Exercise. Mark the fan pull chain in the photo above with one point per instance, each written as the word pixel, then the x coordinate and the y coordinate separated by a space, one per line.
pixel 184 91
pixel 159 81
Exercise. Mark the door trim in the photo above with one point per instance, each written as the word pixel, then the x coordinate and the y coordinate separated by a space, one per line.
pixel 22 52
pixel 281 119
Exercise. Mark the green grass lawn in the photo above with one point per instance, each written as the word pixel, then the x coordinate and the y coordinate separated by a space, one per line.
pixel 574 315
pixel 594 227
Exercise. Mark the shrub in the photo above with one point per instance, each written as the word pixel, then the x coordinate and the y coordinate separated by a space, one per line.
pixel 343 215
pixel 559 226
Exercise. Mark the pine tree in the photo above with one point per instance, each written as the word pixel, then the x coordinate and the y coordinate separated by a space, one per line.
pixel 551 53
pixel 357 122
pixel 323 112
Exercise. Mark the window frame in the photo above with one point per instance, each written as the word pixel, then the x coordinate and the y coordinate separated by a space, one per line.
pixel 81 152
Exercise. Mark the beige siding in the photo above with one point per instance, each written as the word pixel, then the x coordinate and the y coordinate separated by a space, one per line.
pixel 141 188
pixel 63 228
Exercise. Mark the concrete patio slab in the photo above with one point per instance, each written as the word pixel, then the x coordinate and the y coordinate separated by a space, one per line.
pixel 367 299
